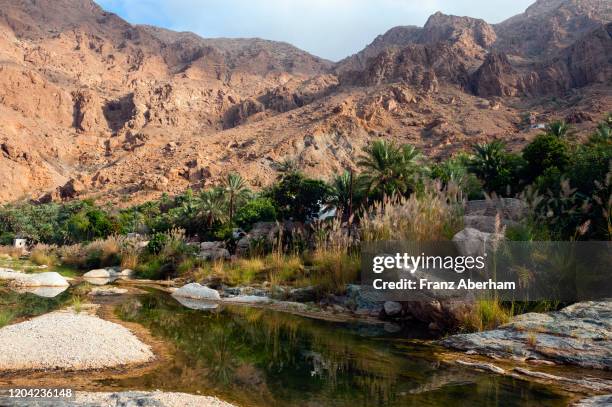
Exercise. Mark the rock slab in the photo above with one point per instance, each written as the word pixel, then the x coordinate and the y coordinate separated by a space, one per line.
pixel 580 334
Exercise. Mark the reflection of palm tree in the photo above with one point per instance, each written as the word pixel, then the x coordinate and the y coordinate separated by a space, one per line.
pixel 235 189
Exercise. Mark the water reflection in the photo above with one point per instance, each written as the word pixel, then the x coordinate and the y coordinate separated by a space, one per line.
pixel 46 292
pixel 100 280
pixel 196 304
pixel 258 357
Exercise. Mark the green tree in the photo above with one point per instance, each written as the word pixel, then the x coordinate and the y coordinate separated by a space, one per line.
pixel 543 153
pixel 298 197
pixel 498 169
pixel 212 207
pixel 388 169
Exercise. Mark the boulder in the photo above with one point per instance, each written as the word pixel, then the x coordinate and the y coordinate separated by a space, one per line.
pixel 392 308
pixel 126 273
pixel 48 279
pixel 197 292
pixel 101 273
pixel 507 208
pixel 473 242
pixel 213 251
pixel 487 224
pixel 580 334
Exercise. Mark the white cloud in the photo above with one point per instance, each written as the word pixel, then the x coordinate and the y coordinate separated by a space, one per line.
pixel 329 28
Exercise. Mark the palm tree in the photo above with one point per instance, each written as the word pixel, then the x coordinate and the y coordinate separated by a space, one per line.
pixel 236 190
pixel 559 129
pixel 343 193
pixel 489 163
pixel 389 169
pixel 212 206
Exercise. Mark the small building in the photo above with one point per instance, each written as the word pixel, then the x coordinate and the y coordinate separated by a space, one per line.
pixel 20 243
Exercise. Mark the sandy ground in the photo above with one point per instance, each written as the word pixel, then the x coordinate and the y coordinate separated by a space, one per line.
pixel 148 399
pixel 65 340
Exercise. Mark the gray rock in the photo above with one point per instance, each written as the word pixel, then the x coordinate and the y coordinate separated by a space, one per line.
pixel 48 279
pixel 486 223
pixel 213 251
pixel 197 292
pixel 101 273
pixel 507 208
pixel 473 242
pixel 392 308
pixel 596 401
pixel 303 294
pixel 580 334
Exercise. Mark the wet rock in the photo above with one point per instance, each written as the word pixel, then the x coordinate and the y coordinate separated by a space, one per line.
pixel 197 292
pixel 303 294
pixel 580 334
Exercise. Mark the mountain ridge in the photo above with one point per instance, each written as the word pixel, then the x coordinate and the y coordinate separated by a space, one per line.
pixel 93 106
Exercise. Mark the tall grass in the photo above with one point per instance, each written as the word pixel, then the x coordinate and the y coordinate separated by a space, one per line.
pixel 487 314
pixel 43 254
pixel 436 213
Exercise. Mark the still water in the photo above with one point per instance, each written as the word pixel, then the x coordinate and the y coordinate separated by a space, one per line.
pixel 257 357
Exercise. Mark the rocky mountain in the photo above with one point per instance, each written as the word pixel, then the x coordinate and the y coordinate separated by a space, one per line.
pixel 92 106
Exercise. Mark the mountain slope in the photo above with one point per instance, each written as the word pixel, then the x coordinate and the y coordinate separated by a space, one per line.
pixel 92 106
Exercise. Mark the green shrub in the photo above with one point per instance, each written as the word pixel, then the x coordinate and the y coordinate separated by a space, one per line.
pixel 256 210
pixel 157 243
pixel 546 151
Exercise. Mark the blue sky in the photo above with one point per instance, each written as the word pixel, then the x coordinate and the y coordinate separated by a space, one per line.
pixel 331 29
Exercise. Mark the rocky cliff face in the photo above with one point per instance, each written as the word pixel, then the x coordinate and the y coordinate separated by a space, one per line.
pixel 91 105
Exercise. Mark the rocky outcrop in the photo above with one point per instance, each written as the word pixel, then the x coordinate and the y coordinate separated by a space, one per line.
pixel 421 66
pixel 496 77
pixel 578 335
pixel 88 115
pixel 239 113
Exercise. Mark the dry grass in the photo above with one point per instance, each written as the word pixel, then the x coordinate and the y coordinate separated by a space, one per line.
pixel 11 251
pixel 432 215
pixel 43 254
pixel 333 270
pixel 532 339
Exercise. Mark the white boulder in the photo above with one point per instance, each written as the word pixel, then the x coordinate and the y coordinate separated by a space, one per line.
pixel 48 279
pixel 101 273
pixel 197 292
